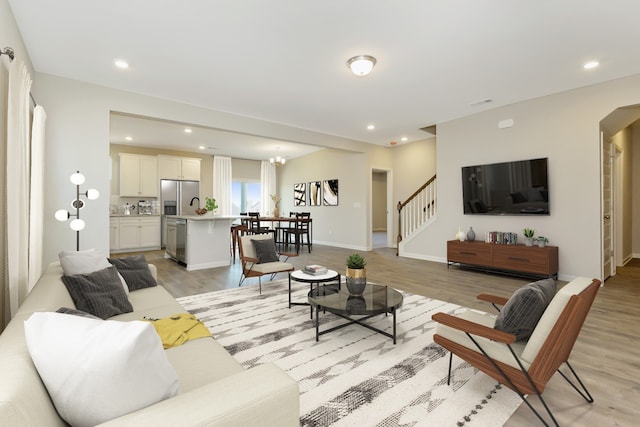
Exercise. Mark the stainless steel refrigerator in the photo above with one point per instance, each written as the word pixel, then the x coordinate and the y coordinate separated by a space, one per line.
pixel 178 198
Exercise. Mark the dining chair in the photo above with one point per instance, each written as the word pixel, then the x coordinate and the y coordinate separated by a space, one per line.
pixel 301 231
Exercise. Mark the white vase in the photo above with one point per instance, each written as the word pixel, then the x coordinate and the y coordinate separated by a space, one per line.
pixel 528 241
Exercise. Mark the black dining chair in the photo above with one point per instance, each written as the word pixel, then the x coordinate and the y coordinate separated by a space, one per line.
pixel 301 231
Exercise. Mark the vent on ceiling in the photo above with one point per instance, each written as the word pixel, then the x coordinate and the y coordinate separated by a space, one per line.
pixel 481 102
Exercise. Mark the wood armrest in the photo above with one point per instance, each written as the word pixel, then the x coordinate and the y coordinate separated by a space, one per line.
pixel 474 328
pixel 249 259
pixel 493 299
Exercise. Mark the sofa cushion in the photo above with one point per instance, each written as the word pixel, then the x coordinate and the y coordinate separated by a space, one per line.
pixel 265 250
pixel 135 271
pixel 97 370
pixel 83 262
pixel 523 310
pixel 99 293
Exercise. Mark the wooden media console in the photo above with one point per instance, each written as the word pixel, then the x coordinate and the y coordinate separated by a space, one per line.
pixel 512 259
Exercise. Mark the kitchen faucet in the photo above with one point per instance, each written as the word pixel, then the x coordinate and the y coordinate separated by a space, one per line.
pixel 191 202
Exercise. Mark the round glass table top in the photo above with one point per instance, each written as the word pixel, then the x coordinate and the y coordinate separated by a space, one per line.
pixel 375 299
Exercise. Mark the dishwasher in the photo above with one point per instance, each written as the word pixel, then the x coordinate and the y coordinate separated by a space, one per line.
pixel 176 239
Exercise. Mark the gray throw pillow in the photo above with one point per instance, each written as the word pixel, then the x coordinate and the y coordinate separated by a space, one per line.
pixel 74 312
pixel 135 271
pixel 265 250
pixel 523 310
pixel 99 293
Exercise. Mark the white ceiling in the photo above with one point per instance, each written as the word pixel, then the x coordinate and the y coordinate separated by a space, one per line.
pixel 284 61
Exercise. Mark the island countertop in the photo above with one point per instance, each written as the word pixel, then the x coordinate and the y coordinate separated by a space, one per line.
pixel 205 217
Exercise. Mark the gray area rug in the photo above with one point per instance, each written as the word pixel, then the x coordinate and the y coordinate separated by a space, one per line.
pixel 353 376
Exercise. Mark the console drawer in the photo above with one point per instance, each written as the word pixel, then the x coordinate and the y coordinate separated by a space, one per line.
pixel 468 252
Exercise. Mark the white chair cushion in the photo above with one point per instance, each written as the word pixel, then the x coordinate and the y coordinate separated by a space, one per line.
pixel 550 316
pixel 97 370
pixel 496 350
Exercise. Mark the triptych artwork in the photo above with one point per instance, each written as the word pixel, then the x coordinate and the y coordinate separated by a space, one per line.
pixel 316 193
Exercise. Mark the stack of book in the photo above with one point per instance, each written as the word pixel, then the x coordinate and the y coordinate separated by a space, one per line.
pixel 315 269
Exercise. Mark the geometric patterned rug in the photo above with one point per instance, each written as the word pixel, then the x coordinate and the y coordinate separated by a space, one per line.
pixel 354 376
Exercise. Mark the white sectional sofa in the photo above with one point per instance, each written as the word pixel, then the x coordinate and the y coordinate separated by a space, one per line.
pixel 214 389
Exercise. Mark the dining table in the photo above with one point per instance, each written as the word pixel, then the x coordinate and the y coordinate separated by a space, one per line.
pixel 277 222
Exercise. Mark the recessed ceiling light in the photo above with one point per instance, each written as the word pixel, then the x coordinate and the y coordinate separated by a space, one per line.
pixel 128 138
pixel 202 147
pixel 187 130
pixel 404 139
pixel 591 65
pixel 121 63
pixel 371 127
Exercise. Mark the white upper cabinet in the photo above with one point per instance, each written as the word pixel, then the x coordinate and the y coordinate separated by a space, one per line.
pixel 182 168
pixel 138 176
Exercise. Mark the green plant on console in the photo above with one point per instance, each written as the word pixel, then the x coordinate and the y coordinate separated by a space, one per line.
pixel 356 261
pixel 542 239
pixel 529 232
pixel 210 204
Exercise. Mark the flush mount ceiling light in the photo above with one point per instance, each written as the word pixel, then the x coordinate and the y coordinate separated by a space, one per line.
pixel 591 65
pixel 361 65
pixel 121 63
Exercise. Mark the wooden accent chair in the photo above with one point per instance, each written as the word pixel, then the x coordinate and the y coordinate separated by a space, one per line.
pixel 527 365
pixel 251 265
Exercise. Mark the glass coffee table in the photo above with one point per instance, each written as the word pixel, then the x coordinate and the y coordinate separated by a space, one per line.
pixel 315 279
pixel 375 300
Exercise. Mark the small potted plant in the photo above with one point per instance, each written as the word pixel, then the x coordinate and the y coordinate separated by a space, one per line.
pixel 542 241
pixel 528 236
pixel 210 205
pixel 356 276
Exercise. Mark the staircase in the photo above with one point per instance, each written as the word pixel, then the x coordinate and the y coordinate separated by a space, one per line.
pixel 416 211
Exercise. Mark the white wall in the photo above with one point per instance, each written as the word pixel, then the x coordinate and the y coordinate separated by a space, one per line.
pixel 563 127
pixel 78 139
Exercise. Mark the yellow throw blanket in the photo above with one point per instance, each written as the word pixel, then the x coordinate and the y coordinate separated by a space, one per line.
pixel 177 329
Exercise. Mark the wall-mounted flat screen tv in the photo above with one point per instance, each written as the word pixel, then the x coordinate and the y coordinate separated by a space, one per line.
pixel 509 188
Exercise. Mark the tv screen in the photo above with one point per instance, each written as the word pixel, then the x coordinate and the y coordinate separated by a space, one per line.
pixel 510 188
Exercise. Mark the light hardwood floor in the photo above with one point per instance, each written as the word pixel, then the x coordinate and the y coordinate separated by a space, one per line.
pixel 606 355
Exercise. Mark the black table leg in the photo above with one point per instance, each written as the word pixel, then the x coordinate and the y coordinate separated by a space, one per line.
pixel 317 324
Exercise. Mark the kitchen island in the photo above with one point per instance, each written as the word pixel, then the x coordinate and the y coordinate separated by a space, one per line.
pixel 199 241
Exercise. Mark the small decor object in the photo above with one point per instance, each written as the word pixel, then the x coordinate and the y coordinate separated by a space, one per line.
pixel 276 205
pixel 528 236
pixel 542 241
pixel 471 235
pixel 315 270
pixel 210 205
pixel 460 235
pixel 356 276
pixel 201 211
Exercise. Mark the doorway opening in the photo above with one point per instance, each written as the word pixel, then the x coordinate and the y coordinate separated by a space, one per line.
pixel 381 209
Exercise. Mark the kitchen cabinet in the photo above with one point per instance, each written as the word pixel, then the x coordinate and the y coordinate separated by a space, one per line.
pixel 135 233
pixel 138 176
pixel 114 233
pixel 180 168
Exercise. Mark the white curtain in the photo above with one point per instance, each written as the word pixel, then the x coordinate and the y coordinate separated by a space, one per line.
pixel 5 313
pixel 17 184
pixel 222 179
pixel 267 187
pixel 36 235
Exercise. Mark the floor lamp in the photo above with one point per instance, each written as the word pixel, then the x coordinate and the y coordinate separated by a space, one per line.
pixel 77 224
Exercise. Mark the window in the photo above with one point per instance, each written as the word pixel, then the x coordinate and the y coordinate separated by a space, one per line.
pixel 245 197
